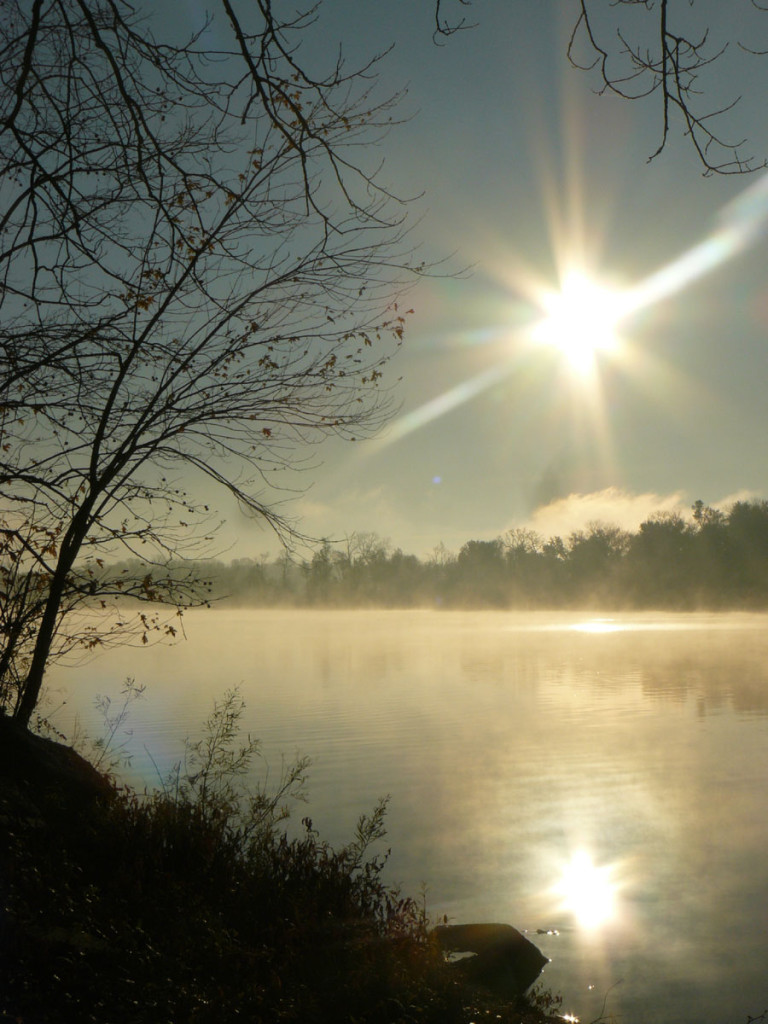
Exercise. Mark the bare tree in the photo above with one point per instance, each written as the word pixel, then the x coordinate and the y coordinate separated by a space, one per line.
pixel 197 267
pixel 448 25
pixel 662 48
pixel 659 48
pixel 27 565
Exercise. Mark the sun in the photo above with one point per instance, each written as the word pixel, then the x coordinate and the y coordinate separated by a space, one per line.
pixel 580 319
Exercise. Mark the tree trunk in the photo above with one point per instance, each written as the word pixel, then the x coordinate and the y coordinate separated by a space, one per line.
pixel 68 551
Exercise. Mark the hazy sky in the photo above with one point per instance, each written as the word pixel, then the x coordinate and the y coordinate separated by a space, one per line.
pixel 525 172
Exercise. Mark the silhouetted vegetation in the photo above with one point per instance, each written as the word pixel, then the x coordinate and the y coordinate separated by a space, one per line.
pixel 664 49
pixel 713 560
pixel 199 268
pixel 193 904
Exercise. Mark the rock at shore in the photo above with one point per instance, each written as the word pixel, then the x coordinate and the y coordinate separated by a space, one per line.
pixel 37 773
pixel 504 961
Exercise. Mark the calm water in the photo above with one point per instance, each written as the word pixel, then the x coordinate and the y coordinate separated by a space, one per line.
pixel 510 744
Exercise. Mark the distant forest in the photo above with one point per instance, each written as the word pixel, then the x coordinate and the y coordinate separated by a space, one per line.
pixel 715 559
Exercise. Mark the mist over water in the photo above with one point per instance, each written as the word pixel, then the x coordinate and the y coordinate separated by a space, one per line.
pixel 598 779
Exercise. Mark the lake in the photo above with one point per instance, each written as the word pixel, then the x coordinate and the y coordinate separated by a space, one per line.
pixel 599 781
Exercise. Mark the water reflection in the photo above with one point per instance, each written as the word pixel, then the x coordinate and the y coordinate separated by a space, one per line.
pixel 588 892
pixel 507 742
pixel 598 626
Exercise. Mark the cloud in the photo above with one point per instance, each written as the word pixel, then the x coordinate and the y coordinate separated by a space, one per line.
pixel 731 499
pixel 325 512
pixel 616 507
pixel 611 505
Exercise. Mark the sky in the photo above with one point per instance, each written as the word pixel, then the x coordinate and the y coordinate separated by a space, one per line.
pixel 528 175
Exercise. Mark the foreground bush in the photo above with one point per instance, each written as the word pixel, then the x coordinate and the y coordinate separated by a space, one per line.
pixel 193 904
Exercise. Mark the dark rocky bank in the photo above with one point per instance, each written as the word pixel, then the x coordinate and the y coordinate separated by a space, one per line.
pixel 125 910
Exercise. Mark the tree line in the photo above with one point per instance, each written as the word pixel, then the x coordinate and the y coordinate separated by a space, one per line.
pixel 713 559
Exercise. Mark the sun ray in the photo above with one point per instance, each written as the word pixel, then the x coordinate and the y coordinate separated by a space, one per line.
pixel 443 403
pixel 585 317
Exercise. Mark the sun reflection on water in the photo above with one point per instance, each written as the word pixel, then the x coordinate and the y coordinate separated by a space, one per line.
pixel 598 626
pixel 588 891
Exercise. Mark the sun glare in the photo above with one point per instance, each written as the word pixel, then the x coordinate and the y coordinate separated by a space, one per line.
pixel 598 626
pixel 580 319
pixel 587 891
